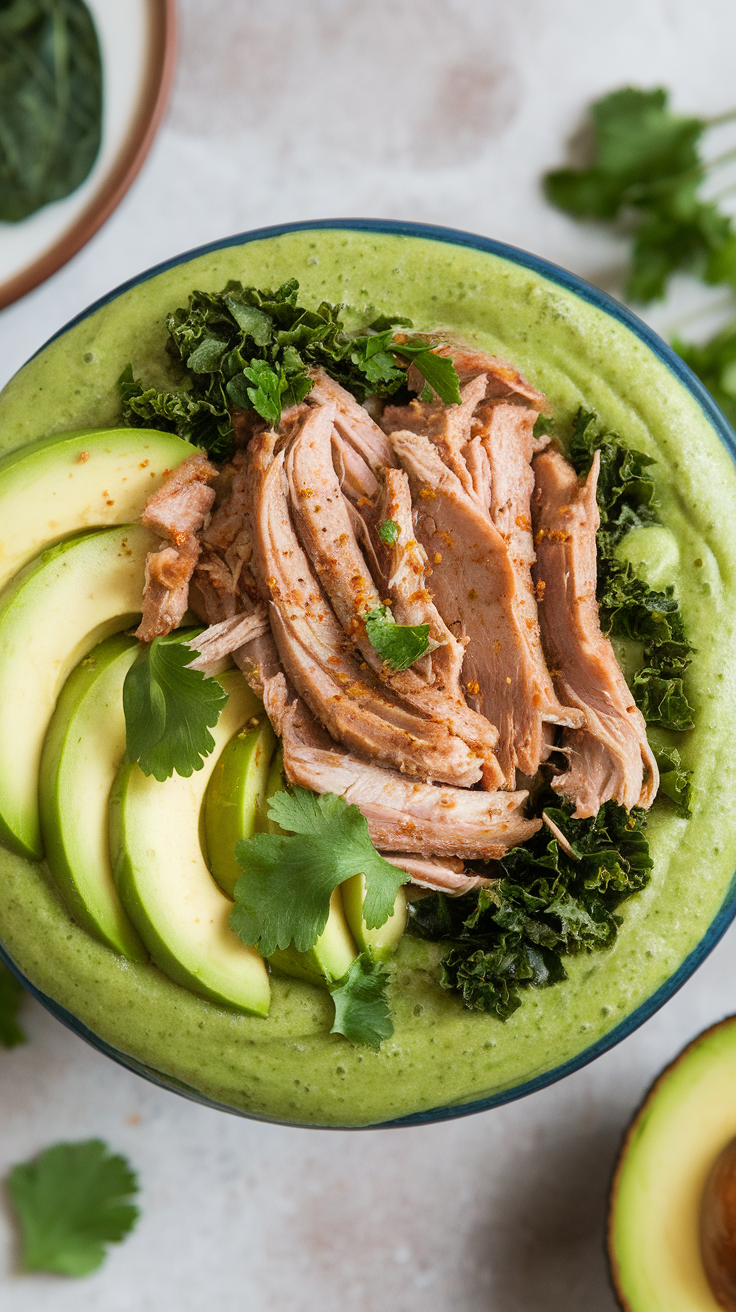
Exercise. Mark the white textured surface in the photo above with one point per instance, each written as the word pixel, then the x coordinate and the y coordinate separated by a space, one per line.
pixel 445 111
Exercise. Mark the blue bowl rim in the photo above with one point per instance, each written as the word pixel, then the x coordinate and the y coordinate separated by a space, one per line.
pixel 721 921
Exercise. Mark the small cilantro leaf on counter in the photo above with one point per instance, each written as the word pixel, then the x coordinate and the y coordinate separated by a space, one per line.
pixel 283 895
pixel 646 165
pixel 388 531
pixel 71 1201
pixel 169 709
pixel 11 993
pixel 362 1012
pixel 400 645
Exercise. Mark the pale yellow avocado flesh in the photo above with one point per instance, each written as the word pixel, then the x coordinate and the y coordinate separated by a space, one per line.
pixel 78 481
pixel 84 746
pixel 688 1118
pixel 55 611
pixel 378 943
pixel 235 796
pixel 163 881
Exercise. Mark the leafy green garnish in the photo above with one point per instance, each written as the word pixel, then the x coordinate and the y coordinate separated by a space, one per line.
pixel 388 531
pixel 629 608
pixel 361 1009
pixel 283 895
pixel 50 102
pixel 252 348
pixel 545 905
pixel 169 709
pixel 646 165
pixel 675 782
pixel 11 993
pixel 400 645
pixel 71 1201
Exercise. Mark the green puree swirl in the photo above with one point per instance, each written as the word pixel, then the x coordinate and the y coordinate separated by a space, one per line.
pixel 288 1067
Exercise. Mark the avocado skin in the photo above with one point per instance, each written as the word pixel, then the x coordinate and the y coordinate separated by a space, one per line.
pixel 88 890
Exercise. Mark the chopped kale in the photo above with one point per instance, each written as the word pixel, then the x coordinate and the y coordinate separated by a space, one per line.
pixel 544 905
pixel 251 349
pixel 629 608
pixel 675 782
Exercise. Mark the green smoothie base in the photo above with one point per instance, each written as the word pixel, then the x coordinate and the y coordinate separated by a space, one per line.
pixel 289 1067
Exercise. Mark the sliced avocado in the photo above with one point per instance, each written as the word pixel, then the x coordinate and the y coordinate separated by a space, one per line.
pixel 163 881
pixel 56 610
pixel 335 950
pixel 235 796
pixel 76 481
pixel 378 943
pixel 687 1119
pixel 84 746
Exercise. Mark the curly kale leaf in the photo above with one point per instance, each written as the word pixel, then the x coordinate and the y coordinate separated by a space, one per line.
pixel 247 348
pixel 629 607
pixel 544 906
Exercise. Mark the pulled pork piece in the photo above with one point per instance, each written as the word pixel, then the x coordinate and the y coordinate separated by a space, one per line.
pixel 609 758
pixel 313 649
pixel 448 426
pixel 325 527
pixel 503 380
pixel 352 422
pixel 226 637
pixel 402 815
pixel 176 512
pixel 477 591
pixel 446 876
pixel 222 579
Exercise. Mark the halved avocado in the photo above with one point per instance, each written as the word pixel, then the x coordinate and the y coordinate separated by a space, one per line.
pixel 163 881
pixel 235 796
pixel 84 746
pixel 76 481
pixel 56 610
pixel 334 952
pixel 686 1121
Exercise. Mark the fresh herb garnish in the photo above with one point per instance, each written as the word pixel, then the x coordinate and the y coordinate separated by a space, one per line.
pixel 400 645
pixel 50 102
pixel 646 165
pixel 388 531
pixel 361 1009
pixel 251 349
pixel 11 993
pixel 629 608
pixel 71 1201
pixel 283 895
pixel 169 709
pixel 545 905
pixel 675 782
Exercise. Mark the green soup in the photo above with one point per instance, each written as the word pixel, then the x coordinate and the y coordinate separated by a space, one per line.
pixel 289 1067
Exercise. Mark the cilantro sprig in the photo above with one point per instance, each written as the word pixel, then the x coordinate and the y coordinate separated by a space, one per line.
pixel 362 1012
pixel 283 895
pixel 11 993
pixel 169 708
pixel 71 1201
pixel 646 168
pixel 400 645
pixel 251 348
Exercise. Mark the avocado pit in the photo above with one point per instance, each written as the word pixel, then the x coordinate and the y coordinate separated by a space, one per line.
pixel 718 1228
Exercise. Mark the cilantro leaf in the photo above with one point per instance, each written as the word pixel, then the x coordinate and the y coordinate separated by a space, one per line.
pixel 544 906
pixel 440 374
pixel 11 993
pixel 646 165
pixel 362 1012
pixel 71 1201
pixel 283 895
pixel 400 645
pixel 675 783
pixel 169 708
pixel 388 531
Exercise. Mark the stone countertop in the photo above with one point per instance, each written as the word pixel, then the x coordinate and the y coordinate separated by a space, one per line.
pixel 445 113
